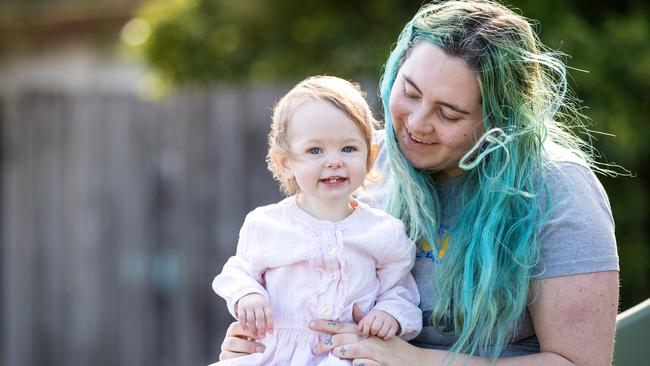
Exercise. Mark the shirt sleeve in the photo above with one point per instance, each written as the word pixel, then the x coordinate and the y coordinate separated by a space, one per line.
pixel 398 293
pixel 242 274
pixel 578 236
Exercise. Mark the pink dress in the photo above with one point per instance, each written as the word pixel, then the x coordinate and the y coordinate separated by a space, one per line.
pixel 315 269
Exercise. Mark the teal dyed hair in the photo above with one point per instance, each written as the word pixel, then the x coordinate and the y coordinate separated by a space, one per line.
pixel 494 245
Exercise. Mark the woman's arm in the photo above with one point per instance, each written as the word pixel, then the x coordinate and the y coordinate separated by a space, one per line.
pixel 574 317
pixel 238 342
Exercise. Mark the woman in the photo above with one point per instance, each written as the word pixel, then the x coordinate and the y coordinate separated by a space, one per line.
pixel 516 256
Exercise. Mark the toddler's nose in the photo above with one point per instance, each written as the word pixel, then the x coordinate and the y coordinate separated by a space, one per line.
pixel 334 163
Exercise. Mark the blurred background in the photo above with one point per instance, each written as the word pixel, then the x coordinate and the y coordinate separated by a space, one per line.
pixel 132 139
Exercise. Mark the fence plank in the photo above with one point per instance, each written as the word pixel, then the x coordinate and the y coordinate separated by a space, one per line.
pixel 51 129
pixel 18 241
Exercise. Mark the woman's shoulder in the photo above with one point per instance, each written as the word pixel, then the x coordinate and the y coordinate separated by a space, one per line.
pixel 578 234
pixel 559 159
pixel 569 175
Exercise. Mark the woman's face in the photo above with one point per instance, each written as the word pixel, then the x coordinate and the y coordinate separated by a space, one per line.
pixel 435 104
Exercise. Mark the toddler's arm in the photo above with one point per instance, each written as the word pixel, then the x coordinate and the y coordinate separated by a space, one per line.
pixel 398 293
pixel 241 275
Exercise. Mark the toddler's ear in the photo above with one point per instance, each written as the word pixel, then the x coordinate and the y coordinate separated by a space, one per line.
pixel 282 161
pixel 374 151
pixel 372 155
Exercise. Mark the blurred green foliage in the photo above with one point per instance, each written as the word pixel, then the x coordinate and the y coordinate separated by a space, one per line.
pixel 202 41
pixel 209 41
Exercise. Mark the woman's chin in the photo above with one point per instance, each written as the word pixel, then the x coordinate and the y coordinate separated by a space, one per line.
pixel 417 160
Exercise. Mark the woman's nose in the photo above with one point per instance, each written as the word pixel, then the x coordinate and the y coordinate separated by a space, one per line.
pixel 419 123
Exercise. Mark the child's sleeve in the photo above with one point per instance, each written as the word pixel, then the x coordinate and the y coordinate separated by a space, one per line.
pixel 242 273
pixel 398 293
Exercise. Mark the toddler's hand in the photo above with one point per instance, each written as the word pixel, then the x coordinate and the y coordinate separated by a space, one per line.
pixel 378 323
pixel 254 315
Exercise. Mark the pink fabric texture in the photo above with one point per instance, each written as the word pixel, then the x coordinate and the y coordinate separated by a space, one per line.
pixel 314 269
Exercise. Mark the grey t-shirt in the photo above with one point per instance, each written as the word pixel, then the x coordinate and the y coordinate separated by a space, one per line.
pixel 577 238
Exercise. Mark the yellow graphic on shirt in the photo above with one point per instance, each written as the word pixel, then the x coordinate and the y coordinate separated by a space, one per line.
pixel 424 249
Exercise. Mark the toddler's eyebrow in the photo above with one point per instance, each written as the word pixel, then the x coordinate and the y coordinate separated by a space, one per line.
pixel 347 140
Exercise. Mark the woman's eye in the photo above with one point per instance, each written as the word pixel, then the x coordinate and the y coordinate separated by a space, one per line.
pixel 349 149
pixel 408 93
pixel 314 150
pixel 447 118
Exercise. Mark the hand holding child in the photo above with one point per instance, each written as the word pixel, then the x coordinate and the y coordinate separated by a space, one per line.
pixel 378 323
pixel 254 315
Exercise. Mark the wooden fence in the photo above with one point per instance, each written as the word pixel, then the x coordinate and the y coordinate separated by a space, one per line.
pixel 116 215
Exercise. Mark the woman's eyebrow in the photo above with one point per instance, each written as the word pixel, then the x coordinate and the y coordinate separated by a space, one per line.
pixel 446 104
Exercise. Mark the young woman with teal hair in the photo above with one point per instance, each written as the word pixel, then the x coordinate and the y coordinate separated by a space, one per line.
pixel 516 255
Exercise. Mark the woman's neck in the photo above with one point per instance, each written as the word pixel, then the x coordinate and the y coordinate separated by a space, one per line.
pixel 448 174
pixel 329 211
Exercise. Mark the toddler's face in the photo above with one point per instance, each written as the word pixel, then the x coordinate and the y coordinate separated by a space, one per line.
pixel 328 153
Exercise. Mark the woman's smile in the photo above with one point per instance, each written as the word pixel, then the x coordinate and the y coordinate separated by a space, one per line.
pixel 414 140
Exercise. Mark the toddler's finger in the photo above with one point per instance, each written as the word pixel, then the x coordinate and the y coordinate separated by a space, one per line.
pixel 366 323
pixel 391 332
pixel 250 320
pixel 360 325
pixel 377 323
pixel 260 321
pixel 242 320
pixel 357 314
pixel 269 319
pixel 383 331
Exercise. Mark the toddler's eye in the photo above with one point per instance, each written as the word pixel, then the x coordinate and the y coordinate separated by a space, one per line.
pixel 349 149
pixel 314 150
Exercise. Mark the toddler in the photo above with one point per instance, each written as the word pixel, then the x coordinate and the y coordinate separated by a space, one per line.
pixel 318 252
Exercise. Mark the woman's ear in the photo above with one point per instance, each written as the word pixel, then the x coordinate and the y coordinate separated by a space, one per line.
pixel 282 161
